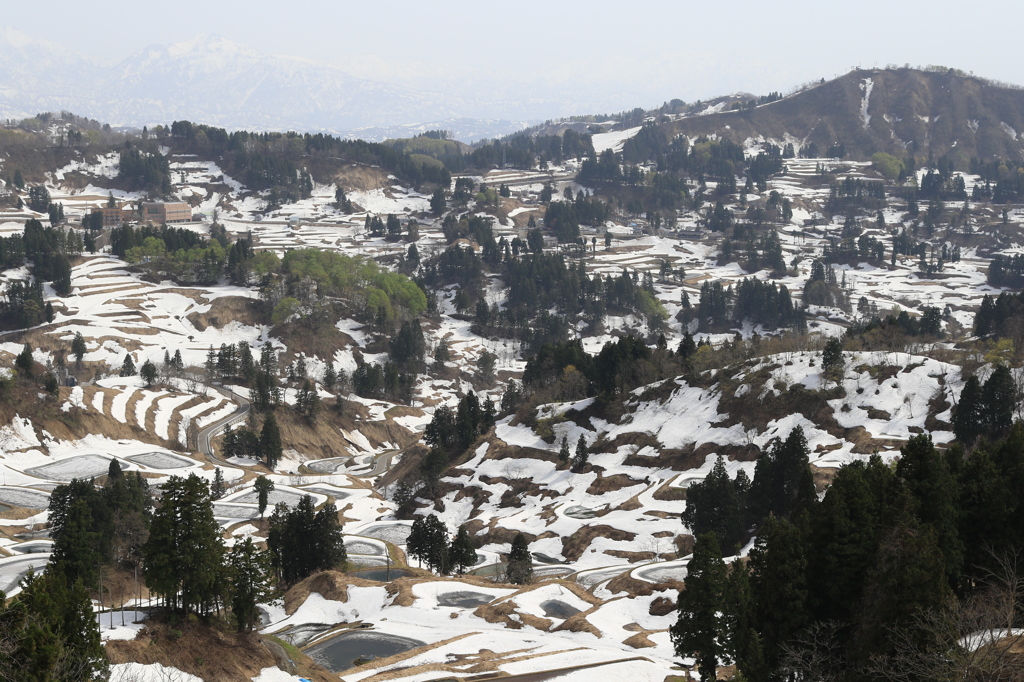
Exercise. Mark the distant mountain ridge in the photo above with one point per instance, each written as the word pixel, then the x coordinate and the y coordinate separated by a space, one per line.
pixel 216 81
pixel 890 110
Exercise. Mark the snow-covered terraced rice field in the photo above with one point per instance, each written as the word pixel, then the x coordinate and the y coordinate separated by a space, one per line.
pixel 24 497
pixel 81 466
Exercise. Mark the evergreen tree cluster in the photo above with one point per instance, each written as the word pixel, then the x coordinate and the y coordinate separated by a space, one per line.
pixel 428 543
pixel 852 194
pixel 273 160
pixel 999 317
pixel 869 578
pixel 95 526
pixel 1006 271
pixel 244 442
pixel 985 410
pixel 304 540
pixel 145 171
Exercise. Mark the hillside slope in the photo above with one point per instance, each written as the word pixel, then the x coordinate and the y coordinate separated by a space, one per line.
pixel 926 112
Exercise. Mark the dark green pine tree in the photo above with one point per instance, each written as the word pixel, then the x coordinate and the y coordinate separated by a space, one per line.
pixel 520 564
pixel 263 486
pixel 968 421
pixel 999 399
pixel 217 488
pixel 926 475
pixel 438 201
pixel 303 540
pixel 428 542
pixel 461 554
pixel 270 442
pixel 907 581
pixel 148 373
pixel 78 347
pixel 844 534
pixel 579 460
pixel 700 631
pixel 75 547
pixel 128 366
pixel 987 507
pixel 686 347
pixel 783 482
pixel 51 632
pixel 183 556
pixel 563 450
pixel 712 506
pixel 741 642
pixel 250 583
pixel 778 587
pixel 24 361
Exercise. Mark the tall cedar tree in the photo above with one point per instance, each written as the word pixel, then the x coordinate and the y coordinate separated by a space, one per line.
pixel 520 563
pixel 428 542
pixel 712 505
pixel 263 487
pixel 700 631
pixel 184 555
pixel 461 554
pixel 50 632
pixel 303 540
pixel 778 587
pixel 250 583
pixel 270 442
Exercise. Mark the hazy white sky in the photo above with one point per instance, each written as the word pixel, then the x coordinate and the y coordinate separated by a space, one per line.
pixel 626 53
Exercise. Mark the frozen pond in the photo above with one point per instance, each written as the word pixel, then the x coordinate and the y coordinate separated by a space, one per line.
pixel 12 570
pixel 341 653
pixel 328 466
pixel 395 533
pixel 363 547
pixel 660 574
pixel 464 600
pixel 34 547
pixel 22 497
pixel 82 466
pixel 252 497
pixel 380 574
pixel 580 513
pixel 552 571
pixel 161 460
pixel 300 634
pixel 588 580
pixel 558 609
pixel 235 511
pixel 331 491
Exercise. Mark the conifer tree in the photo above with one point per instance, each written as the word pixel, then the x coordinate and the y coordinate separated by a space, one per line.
pixel 968 413
pixel 78 348
pixel 712 505
pixel 75 554
pixel 184 552
pixel 461 554
pixel 24 361
pixel 217 489
pixel 579 460
pixel 50 632
pixel 428 542
pixel 303 540
pixel 563 451
pixel 263 486
pixel 699 631
pixel 270 442
pixel 250 583
pixel 520 563
pixel 128 366
pixel 148 373
pixel 778 587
